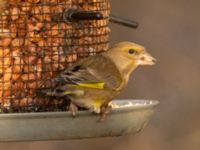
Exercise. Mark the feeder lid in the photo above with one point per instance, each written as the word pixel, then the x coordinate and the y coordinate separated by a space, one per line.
pixel 127 117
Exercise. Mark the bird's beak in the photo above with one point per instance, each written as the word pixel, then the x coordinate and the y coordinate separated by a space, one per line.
pixel 146 59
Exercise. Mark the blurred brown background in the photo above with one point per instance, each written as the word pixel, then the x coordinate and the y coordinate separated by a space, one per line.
pixel 170 30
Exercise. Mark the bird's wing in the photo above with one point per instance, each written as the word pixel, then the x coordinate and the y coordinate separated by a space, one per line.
pixel 92 72
pixel 96 72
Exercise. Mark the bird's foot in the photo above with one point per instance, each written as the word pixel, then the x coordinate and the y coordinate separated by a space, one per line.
pixel 105 110
pixel 73 109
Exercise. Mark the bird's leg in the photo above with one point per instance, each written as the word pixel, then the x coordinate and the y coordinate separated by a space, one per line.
pixel 73 109
pixel 105 110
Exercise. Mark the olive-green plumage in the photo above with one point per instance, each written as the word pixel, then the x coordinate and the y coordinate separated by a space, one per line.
pixel 94 81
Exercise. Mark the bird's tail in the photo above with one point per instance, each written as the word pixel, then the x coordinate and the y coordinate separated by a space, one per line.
pixel 45 92
pixel 57 92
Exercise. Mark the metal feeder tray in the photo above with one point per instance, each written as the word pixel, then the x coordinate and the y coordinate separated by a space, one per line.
pixel 127 117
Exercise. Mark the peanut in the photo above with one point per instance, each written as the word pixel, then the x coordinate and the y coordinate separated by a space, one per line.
pixel 15 14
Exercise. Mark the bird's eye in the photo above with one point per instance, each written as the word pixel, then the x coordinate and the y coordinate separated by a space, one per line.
pixel 131 51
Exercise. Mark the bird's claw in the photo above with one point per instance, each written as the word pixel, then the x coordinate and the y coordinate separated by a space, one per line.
pixel 105 110
pixel 73 109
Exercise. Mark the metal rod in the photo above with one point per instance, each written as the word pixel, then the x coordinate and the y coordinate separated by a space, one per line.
pixel 86 15
pixel 124 22
pixel 76 15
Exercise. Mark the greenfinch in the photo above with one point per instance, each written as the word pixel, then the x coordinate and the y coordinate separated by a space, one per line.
pixel 92 82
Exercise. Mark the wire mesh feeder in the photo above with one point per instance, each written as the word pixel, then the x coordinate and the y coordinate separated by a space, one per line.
pixel 38 39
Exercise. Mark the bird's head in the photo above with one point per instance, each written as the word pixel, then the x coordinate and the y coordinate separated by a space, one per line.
pixel 128 56
pixel 135 52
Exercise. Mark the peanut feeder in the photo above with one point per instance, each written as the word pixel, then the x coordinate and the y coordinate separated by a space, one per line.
pixel 38 39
